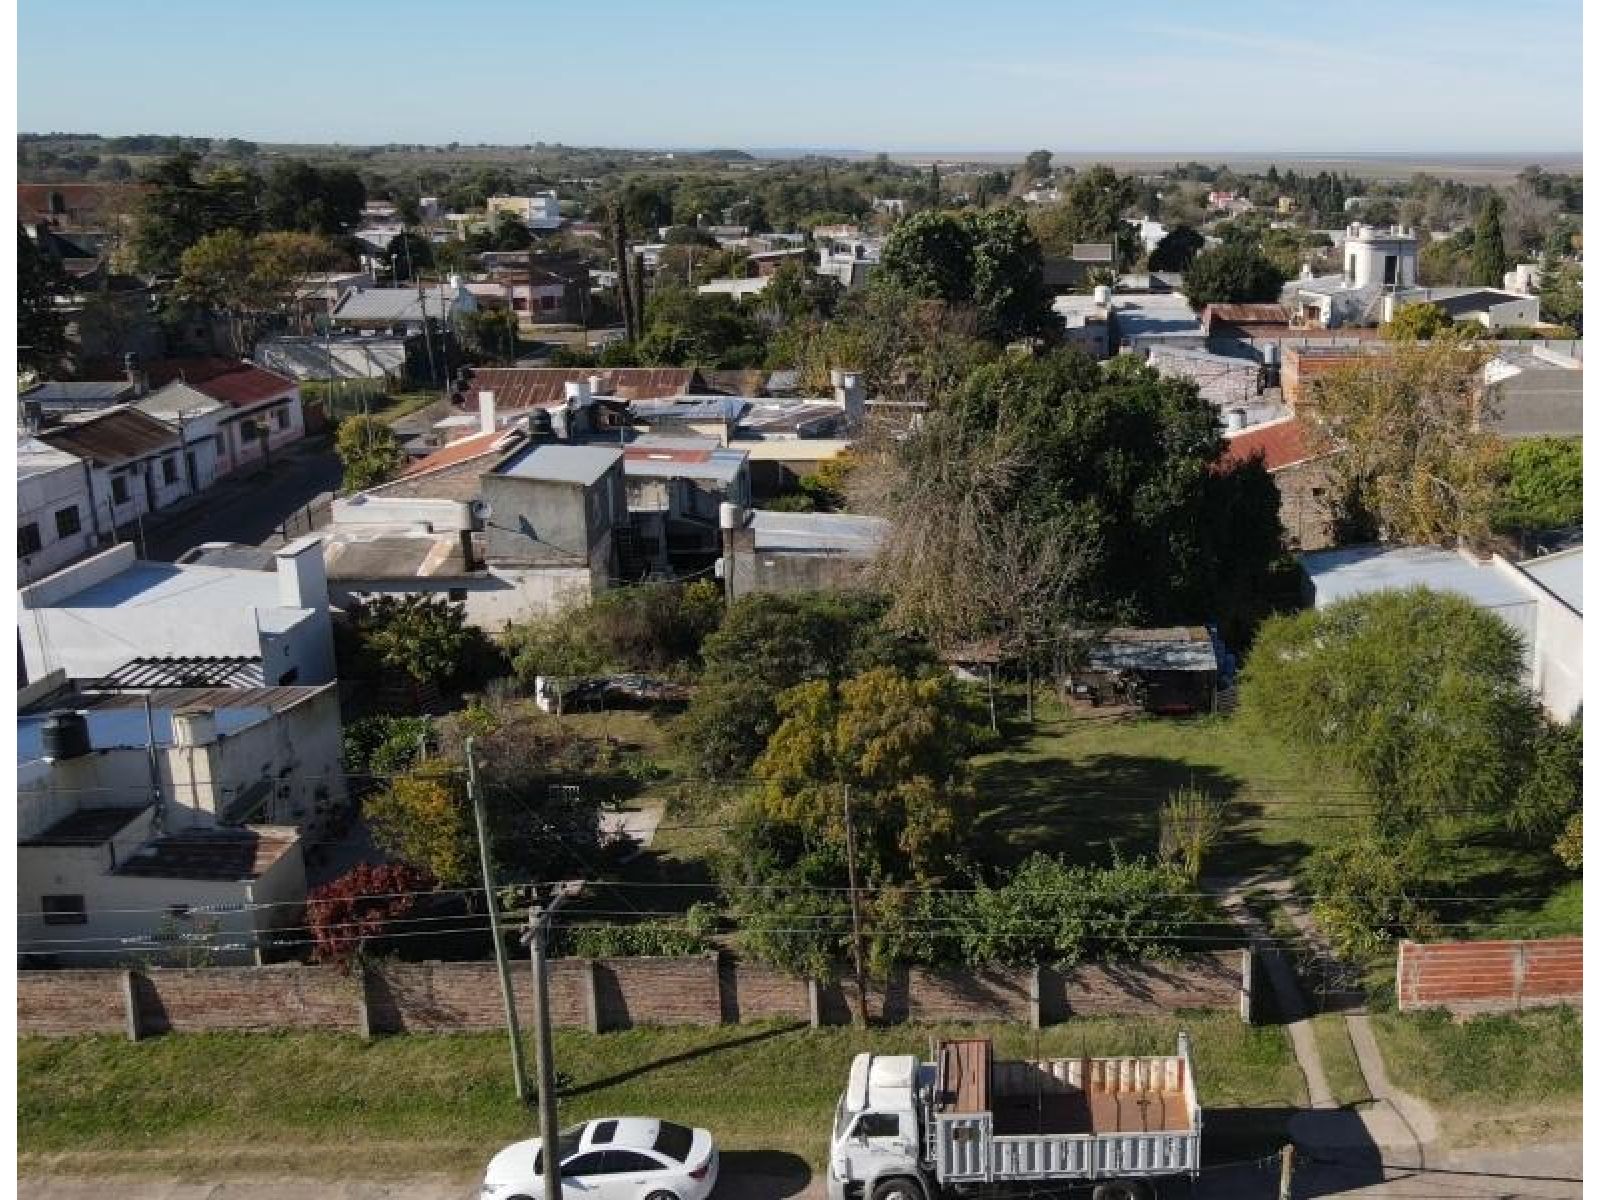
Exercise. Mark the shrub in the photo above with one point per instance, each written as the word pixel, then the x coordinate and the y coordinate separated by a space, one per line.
pixel 359 906
pixel 383 745
pixel 1192 822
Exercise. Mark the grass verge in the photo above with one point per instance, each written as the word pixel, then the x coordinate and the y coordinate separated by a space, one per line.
pixel 335 1106
pixel 1339 1065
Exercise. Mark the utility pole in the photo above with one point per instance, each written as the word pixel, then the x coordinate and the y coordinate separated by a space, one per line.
pixel 855 908
pixel 1286 1172
pixel 536 938
pixel 475 793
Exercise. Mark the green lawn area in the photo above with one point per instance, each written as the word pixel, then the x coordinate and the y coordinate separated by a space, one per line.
pixel 1491 1078
pixel 1082 785
pixel 333 1104
pixel 1348 1084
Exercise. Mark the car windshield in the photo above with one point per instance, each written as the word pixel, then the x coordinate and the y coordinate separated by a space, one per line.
pixel 567 1142
pixel 674 1141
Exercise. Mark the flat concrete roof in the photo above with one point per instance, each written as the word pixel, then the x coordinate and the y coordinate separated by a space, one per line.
pixel 1560 574
pixel 1357 570
pixel 817 533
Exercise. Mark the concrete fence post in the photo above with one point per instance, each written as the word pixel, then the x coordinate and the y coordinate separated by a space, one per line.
pixel 591 994
pixel 814 999
pixel 363 1006
pixel 1036 998
pixel 1402 983
pixel 1519 972
pixel 714 965
pixel 132 1024
pixel 1247 980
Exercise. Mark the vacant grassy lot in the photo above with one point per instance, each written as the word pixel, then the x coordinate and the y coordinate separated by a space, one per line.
pixel 1083 785
pixel 1491 1077
pixel 332 1104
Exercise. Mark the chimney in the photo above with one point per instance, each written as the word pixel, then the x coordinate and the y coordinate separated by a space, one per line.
pixel 194 727
pixel 597 385
pixel 847 390
pixel 302 575
pixel 135 374
pixel 577 391
pixel 486 416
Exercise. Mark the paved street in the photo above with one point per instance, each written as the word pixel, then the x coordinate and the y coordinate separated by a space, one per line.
pixel 251 508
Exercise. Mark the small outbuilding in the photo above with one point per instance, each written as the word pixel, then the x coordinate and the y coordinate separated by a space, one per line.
pixel 1169 671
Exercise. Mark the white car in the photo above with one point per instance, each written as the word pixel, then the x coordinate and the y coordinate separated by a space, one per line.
pixel 612 1158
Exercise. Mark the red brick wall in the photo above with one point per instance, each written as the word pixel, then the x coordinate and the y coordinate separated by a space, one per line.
pixel 444 997
pixel 1468 977
pixel 1109 989
pixel 60 1003
pixel 759 993
pixel 246 998
pixel 658 991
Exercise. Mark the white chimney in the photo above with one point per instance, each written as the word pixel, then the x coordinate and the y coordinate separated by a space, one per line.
pixel 577 391
pixel 302 575
pixel 847 390
pixel 486 416
pixel 1236 417
pixel 597 385
pixel 1102 296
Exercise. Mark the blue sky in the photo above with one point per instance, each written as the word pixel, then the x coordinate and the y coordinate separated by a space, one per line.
pixel 1153 75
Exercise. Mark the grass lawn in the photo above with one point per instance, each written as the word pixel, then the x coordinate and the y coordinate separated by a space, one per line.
pixel 334 1105
pixel 1491 1077
pixel 1081 786
pixel 1345 1080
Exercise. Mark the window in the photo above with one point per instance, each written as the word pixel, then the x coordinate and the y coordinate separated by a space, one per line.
pixel 585 1164
pixel 169 470
pixel 627 1162
pixel 119 489
pixel 28 540
pixel 548 303
pixel 459 596
pixel 249 431
pixel 567 1142
pixel 1391 264
pixel 604 1131
pixel 63 910
pixel 673 1141
pixel 281 416
pixel 878 1125
pixel 67 521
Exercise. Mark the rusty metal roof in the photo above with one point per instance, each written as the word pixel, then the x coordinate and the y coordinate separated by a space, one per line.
pixel 542 387
pixel 114 436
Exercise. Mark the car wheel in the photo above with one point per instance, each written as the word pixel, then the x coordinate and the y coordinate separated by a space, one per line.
pixel 1122 1189
pixel 896 1189
pixel 660 1196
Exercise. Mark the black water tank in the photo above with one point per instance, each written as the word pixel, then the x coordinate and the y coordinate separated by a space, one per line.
pixel 65 734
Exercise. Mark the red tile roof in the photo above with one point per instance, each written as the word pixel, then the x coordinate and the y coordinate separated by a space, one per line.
pixel 1282 443
pixel 231 381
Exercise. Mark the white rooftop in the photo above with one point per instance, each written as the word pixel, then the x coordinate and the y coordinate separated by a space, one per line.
pixel 1561 574
pixel 154 584
pixel 40 458
pixel 817 533
pixel 1357 570
pixel 561 464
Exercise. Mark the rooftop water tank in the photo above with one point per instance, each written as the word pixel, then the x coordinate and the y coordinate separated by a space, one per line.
pixel 65 735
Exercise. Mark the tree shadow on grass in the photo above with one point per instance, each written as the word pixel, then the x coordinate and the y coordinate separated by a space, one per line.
pixel 1082 809
pixel 596 1085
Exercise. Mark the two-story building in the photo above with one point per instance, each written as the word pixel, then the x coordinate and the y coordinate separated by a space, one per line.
pixel 55 509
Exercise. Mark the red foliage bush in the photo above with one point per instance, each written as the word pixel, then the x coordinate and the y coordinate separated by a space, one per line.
pixel 359 905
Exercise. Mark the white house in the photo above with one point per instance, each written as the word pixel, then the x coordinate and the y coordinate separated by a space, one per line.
pixel 54 510
pixel 110 610
pixel 541 211
pixel 1542 599
pixel 135 464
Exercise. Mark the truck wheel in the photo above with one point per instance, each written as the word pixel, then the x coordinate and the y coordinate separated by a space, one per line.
pixel 896 1189
pixel 1122 1189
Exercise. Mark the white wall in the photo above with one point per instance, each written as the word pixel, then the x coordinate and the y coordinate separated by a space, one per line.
pixel 1555 646
pixel 39 498
pixel 504 596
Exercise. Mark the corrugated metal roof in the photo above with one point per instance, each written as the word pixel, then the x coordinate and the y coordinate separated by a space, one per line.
pixel 479 445
pixel 1280 444
pixel 584 465
pixel 817 533
pixel 216 854
pixel 1183 648
pixel 117 435
pixel 393 303
pixel 541 387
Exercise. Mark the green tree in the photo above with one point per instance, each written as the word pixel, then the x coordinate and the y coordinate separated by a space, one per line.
pixel 1417 323
pixel 369 451
pixel 426 637
pixel 1236 274
pixel 408 255
pixel 41 327
pixel 177 209
pixel 1037 165
pixel 930 255
pixel 1091 211
pixel 424 819
pixel 1550 794
pixel 299 196
pixel 770 643
pixel 489 335
pixel 1053 491
pixel 1177 249
pixel 1007 276
pixel 249 280
pixel 1413 454
pixel 1489 244
pixel 1561 294
pixel 1418 693
pixel 1543 486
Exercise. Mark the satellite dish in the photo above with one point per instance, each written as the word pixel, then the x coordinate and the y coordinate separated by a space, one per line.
pixel 481 510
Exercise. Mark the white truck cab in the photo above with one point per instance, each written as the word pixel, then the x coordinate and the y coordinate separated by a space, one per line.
pixel 877 1134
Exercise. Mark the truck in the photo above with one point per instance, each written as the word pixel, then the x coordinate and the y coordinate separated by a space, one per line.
pixel 965 1123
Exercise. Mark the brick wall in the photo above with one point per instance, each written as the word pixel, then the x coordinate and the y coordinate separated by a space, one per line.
pixel 604 994
pixel 1471 977
pixel 60 1003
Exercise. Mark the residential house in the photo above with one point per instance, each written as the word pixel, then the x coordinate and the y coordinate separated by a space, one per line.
pixel 850 260
pixel 260 410
pixel 1302 468
pixel 409 309
pixel 769 262
pixel 135 464
pixel 798 552
pixel 1086 321
pixel 556 508
pixel 738 289
pixel 56 399
pixel 1235 387
pixel 77 206
pixel 1532 391
pixel 1541 599
pixel 541 211
pixel 676 488
pixel 1066 273
pixel 517 390
pixel 54 509
pixel 110 611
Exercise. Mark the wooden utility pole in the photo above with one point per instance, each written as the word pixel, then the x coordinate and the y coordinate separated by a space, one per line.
pixel 619 248
pixel 1286 1172
pixel 475 794
pixel 855 910
pixel 536 938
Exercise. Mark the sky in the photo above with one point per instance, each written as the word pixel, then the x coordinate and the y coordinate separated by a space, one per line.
pixel 1360 76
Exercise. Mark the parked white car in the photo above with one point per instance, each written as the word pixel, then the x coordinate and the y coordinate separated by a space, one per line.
pixel 612 1158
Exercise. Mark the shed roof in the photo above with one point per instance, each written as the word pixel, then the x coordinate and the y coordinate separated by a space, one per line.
pixel 817 533
pixel 217 854
pixel 584 465
pixel 1183 648
pixel 543 387
pixel 116 435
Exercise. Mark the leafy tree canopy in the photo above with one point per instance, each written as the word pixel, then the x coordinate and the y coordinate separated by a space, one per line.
pixel 1237 274
pixel 1544 485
